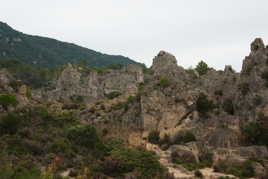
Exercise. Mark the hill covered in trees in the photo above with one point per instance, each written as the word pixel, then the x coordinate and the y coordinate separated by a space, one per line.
pixel 47 52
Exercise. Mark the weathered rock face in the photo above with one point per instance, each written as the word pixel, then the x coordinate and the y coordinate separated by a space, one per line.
pixel 93 85
pixel 165 100
pixel 252 85
pixel 168 96
pixel 164 62
pixel 165 65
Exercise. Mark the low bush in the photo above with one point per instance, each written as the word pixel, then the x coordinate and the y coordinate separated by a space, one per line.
pixel 187 163
pixel 84 135
pixel 19 172
pixel 164 82
pixel 154 137
pixel 252 133
pixel 9 124
pixel 142 161
pixel 246 171
pixel 228 106
pixel 184 138
pixel 113 95
pixel 203 104
pixel 205 161
pixel 147 70
pixel 7 100
pixel 16 84
pixel 256 133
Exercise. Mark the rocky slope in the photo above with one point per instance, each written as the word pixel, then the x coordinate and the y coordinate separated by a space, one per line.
pixel 213 123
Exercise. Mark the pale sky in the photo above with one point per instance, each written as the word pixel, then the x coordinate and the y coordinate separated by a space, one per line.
pixel 218 32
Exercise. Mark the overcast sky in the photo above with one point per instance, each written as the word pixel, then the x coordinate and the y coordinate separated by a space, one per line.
pixel 218 32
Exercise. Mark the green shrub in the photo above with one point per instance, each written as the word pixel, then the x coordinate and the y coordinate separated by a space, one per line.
pixel 114 143
pixel 10 124
pixel 228 106
pixel 256 133
pixel 206 159
pixel 141 88
pixel 154 137
pixel 131 99
pixel 187 163
pixel 16 84
pixel 203 104
pixel 40 111
pixel 246 171
pixel 113 95
pixel 111 166
pixel 141 161
pixel 164 82
pixel 19 172
pixel 15 146
pixel 8 100
pixel 184 138
pixel 84 135
pixel 147 70
pixel 202 68
pixel 59 146
pixel 252 132
pixel 30 75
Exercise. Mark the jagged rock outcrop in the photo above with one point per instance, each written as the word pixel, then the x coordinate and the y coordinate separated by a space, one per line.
pixel 165 99
pixel 165 65
pixel 93 85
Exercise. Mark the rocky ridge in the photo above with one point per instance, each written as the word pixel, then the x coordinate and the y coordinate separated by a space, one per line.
pixel 132 102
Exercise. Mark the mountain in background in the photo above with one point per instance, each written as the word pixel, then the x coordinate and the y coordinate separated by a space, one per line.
pixel 47 52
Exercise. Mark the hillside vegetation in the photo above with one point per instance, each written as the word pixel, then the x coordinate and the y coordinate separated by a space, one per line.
pixel 47 52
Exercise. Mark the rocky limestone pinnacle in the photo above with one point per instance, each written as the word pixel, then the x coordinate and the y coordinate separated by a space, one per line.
pixel 164 63
pixel 257 44
pixel 228 69
pixel 164 59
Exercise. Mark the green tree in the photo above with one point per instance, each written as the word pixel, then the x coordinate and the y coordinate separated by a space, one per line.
pixel 202 68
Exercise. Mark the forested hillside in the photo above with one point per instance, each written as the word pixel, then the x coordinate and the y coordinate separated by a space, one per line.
pixel 47 52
